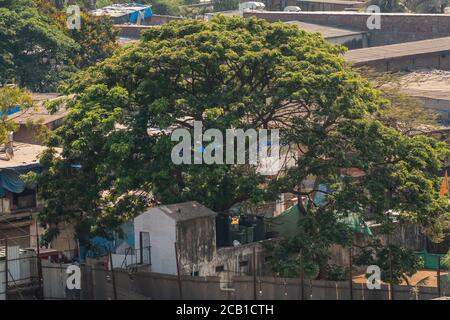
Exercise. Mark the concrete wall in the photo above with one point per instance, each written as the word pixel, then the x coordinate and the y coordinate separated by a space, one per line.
pixel 162 239
pixel 357 41
pixel 395 27
pixel 133 31
pixel 438 60
pixel 310 5
pixel 318 5
pixel 196 239
pixel 158 19
pixel 442 106
pixel 166 287
pixel 237 261
pixel 406 235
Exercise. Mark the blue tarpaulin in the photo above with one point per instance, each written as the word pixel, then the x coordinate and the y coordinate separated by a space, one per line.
pixel 133 17
pixel 100 245
pixel 11 111
pixel 10 181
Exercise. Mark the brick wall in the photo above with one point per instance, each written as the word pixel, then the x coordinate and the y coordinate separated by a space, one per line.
pixel 157 19
pixel 395 27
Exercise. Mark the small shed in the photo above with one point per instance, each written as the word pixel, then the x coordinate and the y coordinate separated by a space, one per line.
pixel 187 228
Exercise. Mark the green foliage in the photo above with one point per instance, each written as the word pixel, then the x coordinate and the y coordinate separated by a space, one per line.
pixel 416 6
pixel 11 97
pixel 34 50
pixel 96 38
pixel 38 50
pixel 317 231
pixel 168 7
pixel 338 273
pixel 400 111
pixel 426 6
pixel 225 5
pixel 164 7
pixel 389 5
pixel 236 73
pixel 394 261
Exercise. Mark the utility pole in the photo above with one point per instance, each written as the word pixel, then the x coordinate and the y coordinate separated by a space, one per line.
pixel 178 272
pixel 350 256
pixel 302 276
pixel 255 296
pixel 6 268
pixel 39 263
pixel 113 278
pixel 439 275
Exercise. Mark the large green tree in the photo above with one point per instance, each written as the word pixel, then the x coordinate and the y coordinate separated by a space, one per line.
pixel 96 38
pixel 235 73
pixel 34 51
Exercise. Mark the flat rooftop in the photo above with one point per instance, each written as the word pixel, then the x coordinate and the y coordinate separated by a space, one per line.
pixel 39 112
pixel 118 10
pixel 25 154
pixel 361 56
pixel 346 13
pixel 327 31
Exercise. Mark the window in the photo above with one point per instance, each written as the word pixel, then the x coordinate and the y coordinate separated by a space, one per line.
pixel 220 268
pixel 144 248
pixel 24 200
pixel 243 263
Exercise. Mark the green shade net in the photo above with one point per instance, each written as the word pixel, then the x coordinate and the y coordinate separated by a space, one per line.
pixel 286 223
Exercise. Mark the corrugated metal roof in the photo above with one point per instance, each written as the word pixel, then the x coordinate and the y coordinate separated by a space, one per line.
pixel 360 56
pixel 327 31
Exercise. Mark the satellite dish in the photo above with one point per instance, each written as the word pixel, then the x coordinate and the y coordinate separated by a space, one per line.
pixel 236 243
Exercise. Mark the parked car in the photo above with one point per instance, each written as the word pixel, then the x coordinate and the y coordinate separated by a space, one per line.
pixel 292 9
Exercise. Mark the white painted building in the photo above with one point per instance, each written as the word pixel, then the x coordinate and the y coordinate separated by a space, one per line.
pixel 190 225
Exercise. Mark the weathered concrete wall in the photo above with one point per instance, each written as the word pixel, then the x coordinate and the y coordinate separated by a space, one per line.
pixel 440 105
pixel 166 287
pixel 438 60
pixel 158 19
pixel 133 31
pixel 233 261
pixel 406 235
pixel 395 27
pixel 311 5
pixel 196 240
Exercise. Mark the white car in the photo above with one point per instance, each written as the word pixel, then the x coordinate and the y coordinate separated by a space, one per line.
pixel 292 9
pixel 251 5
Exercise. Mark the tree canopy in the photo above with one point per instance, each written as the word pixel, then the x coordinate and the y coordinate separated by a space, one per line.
pixel 417 6
pixel 33 49
pixel 38 50
pixel 236 73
